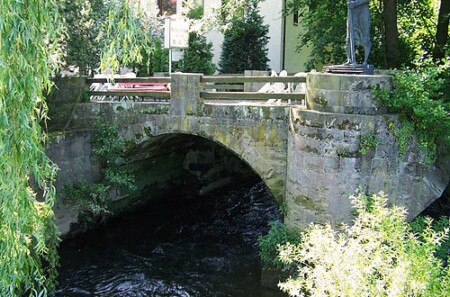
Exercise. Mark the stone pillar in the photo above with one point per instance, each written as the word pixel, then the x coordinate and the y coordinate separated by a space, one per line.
pixel 344 93
pixel 324 162
pixel 185 99
pixel 68 89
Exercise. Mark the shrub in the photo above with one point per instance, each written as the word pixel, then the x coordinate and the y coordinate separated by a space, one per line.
pixel 94 200
pixel 245 43
pixel 419 97
pixel 198 57
pixel 278 234
pixel 369 142
pixel 376 256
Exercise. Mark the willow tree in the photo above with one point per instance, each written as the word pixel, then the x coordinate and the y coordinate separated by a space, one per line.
pixel 28 236
pixel 30 32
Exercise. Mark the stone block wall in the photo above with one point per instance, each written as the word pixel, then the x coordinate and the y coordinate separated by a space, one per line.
pixel 325 164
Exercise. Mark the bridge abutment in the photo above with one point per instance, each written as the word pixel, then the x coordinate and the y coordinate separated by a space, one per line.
pixel 329 158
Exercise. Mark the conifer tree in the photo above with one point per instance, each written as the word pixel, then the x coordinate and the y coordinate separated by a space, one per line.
pixel 245 42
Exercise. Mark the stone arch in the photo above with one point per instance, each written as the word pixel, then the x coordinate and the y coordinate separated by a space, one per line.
pixel 267 159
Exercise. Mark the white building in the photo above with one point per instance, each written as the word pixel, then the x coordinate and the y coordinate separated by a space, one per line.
pixel 283 32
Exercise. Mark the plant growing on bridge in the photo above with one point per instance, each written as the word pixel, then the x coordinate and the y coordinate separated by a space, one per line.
pixel 368 142
pixel 279 234
pixel 420 96
pixel 95 200
pixel 378 255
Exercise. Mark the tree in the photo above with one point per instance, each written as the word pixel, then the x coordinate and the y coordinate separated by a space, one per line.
pixel 29 35
pixel 401 30
pixel 83 19
pixel 442 31
pixel 391 33
pixel 245 42
pixel 198 56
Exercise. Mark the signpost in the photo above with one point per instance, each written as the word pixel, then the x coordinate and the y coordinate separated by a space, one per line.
pixel 176 35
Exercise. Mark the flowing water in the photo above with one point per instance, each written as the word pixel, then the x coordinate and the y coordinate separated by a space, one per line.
pixel 179 246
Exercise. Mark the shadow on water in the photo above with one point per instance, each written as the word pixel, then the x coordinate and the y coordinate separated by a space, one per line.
pixel 178 246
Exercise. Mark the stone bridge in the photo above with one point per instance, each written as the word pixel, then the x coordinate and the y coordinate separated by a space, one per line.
pixel 309 156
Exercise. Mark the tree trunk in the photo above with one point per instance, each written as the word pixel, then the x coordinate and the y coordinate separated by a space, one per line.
pixel 442 31
pixel 391 33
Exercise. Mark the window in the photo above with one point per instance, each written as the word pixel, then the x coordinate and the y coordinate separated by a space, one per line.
pixel 295 19
pixel 167 7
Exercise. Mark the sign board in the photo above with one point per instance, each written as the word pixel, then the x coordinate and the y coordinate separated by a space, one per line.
pixel 176 33
pixel 177 54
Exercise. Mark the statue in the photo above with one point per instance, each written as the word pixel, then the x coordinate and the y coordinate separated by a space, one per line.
pixel 358 29
pixel 358 33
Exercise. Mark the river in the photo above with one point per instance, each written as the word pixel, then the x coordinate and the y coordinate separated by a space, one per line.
pixel 202 246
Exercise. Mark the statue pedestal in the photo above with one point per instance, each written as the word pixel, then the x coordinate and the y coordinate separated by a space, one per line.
pixel 350 69
pixel 344 93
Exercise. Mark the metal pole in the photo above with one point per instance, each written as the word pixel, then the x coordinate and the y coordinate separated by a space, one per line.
pixel 170 61
pixel 351 37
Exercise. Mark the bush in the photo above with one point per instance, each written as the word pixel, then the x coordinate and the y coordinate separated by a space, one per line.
pixel 245 43
pixel 419 97
pixel 377 256
pixel 198 57
pixel 94 200
pixel 268 244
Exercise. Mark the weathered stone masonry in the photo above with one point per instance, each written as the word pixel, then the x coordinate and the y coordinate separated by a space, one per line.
pixel 308 158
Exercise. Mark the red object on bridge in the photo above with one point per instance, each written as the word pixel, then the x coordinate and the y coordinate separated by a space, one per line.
pixel 140 87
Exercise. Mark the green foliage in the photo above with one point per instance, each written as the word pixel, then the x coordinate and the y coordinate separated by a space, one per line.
pixel 198 57
pixel 95 200
pixel 245 42
pixel 83 19
pixel 420 224
pixel 325 24
pixel 369 142
pixel 325 30
pixel 279 234
pixel 109 147
pixel 158 61
pixel 28 235
pixel 404 135
pixel 419 97
pixel 125 35
pixel 377 255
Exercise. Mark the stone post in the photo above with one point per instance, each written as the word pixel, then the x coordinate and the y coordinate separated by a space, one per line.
pixel 185 98
pixel 68 89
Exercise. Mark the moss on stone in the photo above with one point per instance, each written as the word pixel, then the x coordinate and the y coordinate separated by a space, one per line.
pixel 306 202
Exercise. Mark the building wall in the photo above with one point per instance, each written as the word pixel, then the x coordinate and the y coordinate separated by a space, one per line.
pixel 294 61
pixel 272 12
pixel 214 36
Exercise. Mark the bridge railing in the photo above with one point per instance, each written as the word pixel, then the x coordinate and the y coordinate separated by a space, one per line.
pixel 141 88
pixel 288 89
pixel 282 88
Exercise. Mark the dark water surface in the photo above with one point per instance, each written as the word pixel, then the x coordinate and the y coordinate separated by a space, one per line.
pixel 179 246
